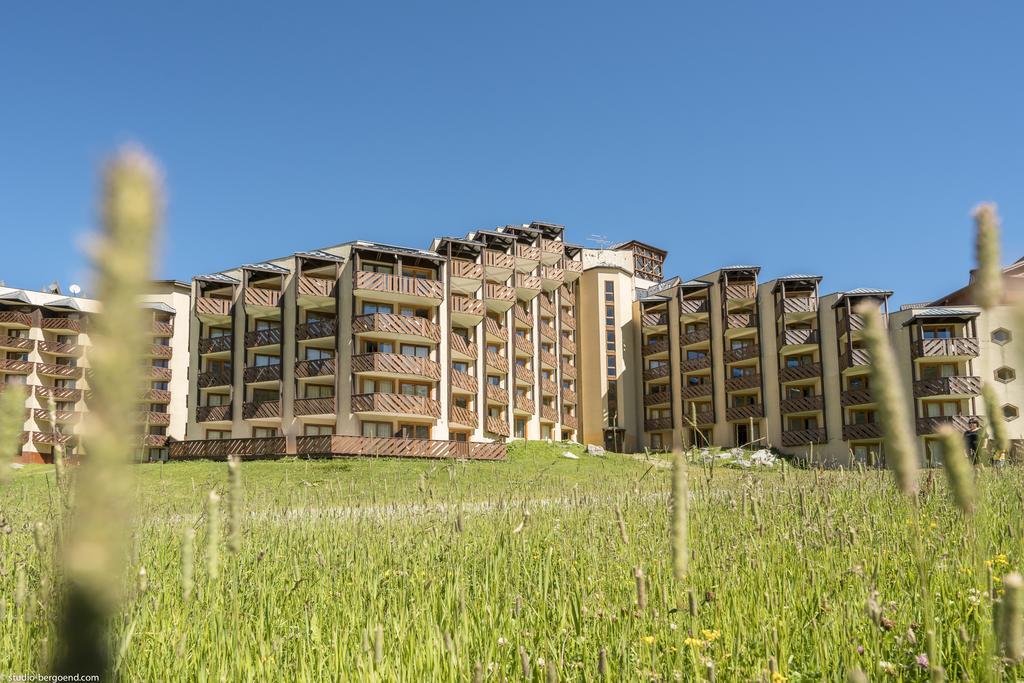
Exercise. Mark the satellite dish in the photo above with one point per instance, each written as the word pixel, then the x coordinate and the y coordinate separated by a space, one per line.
pixel 75 290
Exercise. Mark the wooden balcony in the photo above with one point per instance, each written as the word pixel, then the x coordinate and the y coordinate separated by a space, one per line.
pixel 655 348
pixel 463 382
pixel 527 256
pixel 523 316
pixel 54 439
pixel 59 416
pixel 955 347
pixel 220 344
pixel 568 371
pixel 44 394
pixel 497 425
pixel 61 325
pixel 155 372
pixel 855 358
pixel 156 396
pixel 320 367
pixel 467 271
pixel 569 396
pixel 15 367
pixel 850 323
pixel 316 288
pixel 546 307
pixel 692 391
pixel 523 345
pixel 462 348
pixel 152 351
pixel 524 375
pixel 161 329
pixel 495 331
pixel 548 413
pixel 802 404
pixel 568 346
pixel 155 418
pixel 695 364
pixel 497 264
pixel 527 286
pixel 797 337
pixel 704 417
pixel 740 291
pixel 947 386
pixel 211 308
pixel 741 353
pixel 740 321
pixel 61 371
pixel 693 306
pixel 568 321
pixel 15 319
pixel 660 372
pixel 496 362
pixel 657 424
pixel 396 447
pixel 569 420
pixel 17 343
pixel 398 288
pixel 654 321
pixel 802 437
pixel 573 269
pixel 548 387
pixel 566 297
pixel 799 304
pixel 258 297
pixel 213 413
pixel 795 373
pixel 856 397
pixel 658 398
pixel 551 278
pixel 496 394
pixel 261 338
pixel 396 404
pixel 396 365
pixel 213 378
pixel 734 413
pixel 154 440
pixel 222 448
pixel 325 406
pixel 499 298
pixel 524 404
pixel 404 327
pixel 862 432
pixel 696 337
pixel 931 425
pixel 547 332
pixel 466 311
pixel 462 417
pixel 551 251
pixel 262 373
pixel 261 410
pixel 318 329
pixel 548 359
pixel 743 382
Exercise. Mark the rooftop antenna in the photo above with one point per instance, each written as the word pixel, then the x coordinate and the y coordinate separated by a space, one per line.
pixel 601 241
pixel 75 290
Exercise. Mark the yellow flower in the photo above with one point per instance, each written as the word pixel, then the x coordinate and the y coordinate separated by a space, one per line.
pixel 967 570
pixel 648 639
pixel 1001 559
pixel 694 642
pixel 996 579
pixel 934 524
pixel 778 678
pixel 711 636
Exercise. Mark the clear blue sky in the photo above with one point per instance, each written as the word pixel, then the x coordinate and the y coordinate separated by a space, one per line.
pixel 847 139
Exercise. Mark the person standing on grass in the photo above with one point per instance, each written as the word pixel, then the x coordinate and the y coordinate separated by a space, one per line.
pixel 971 437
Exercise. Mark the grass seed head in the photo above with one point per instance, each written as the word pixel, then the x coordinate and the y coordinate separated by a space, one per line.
pixel 958 469
pixel 680 518
pixel 1010 626
pixel 987 286
pixel 994 418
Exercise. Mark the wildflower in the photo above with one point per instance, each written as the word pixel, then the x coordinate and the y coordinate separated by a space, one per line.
pixel 540 661
pixel 778 678
pixel 672 626
pixel 649 640
pixel 502 641
pixel 694 642
pixel 711 635
pixel 921 660
pixel 887 668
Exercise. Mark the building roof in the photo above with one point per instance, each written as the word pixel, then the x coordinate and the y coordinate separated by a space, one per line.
pixel 962 313
pixel 396 249
pixel 218 277
pixel 859 292
pixel 637 243
pixel 321 254
pixel 266 268
pixel 803 279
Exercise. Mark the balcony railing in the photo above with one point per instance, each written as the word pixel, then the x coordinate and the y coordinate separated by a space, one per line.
pixel 658 398
pixel 496 362
pixel 156 396
pixel 464 305
pixel 61 416
pixel 743 290
pixel 497 425
pixel 318 329
pixel 527 252
pixel 257 338
pixel 396 404
pixel 499 293
pixel 657 424
pixel 213 378
pixel 548 387
pixel 524 374
pixel 568 346
pixel 54 439
pixel 548 359
pixel 264 298
pixel 392 323
pixel 213 413
pixel 552 248
pixel 319 367
pixel 155 372
pixel 695 337
pixel 262 373
pixel 44 394
pixel 316 286
pixel 209 306
pixel 496 260
pixel 568 396
pixel 155 418
pixel 314 406
pixel 15 319
pixel 215 344
pixel 523 315
pixel 802 437
pixel 930 425
pixel 547 333
pixel 741 353
pixel 802 404
pixel 338 446
pixel 463 346
pixel 464 381
pixel 261 410
pixel 568 321
pixel 797 337
pixel 495 330
pixel 948 386
pixel 864 430
pixel 660 372
pixel 694 364
pixel 654 320
pixel 565 295
pixel 743 382
pixel 655 347
pixel 568 371
pixel 524 404
pixel 799 304
pixel 955 346
pixel 572 268
pixel 703 417
pixel 546 306
pixel 793 373
pixel 523 344
pixel 691 391
pixel 55 370
pixel 737 321
pixel 17 343
pixel 530 284
pixel 856 397
pixel 693 306
pixel 496 394
pixel 366 281
pixel 466 270
pixel 569 420
pixel 552 276
pixel 61 324
pixel 463 416
pixel 17 367
pixel 733 413
pixel 396 364
pixel 855 358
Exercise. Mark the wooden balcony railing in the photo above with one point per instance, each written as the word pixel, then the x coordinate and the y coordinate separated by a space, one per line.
pixel 210 306
pixel 213 413
pixel 261 410
pixel 463 346
pixel 552 248
pixel 690 306
pixel 797 337
pixel 44 394
pixel 262 373
pixel 524 374
pixel 523 315
pixel 155 418
pixel 659 372
pixel 365 281
pixel 213 378
pixel 396 404
pixel 548 359
pixel 862 431
pixel 496 292
pixel 222 448
pixel 464 305
pixel 743 290
pixel 548 387
pixel 743 382
pixel 741 353
pixel 257 338
pixel 568 346
pixel 569 396
pixel 691 391
pixel 553 276
pixel 156 396
pixel 154 440
pixel 155 372
pixel 526 252
pixel 793 373
pixel 495 330
pixel 947 386
pixel 851 323
pixel 855 358
pixel 694 364
pixel 548 413
pixel 54 439
pixel 265 298
pixel 523 344
pixel 497 425
pixel 318 329
pixel 696 337
pixel 464 381
pixel 654 320
pixel 215 344
pixel 733 413
pixel 498 260
pixel 320 367
pixel 955 346
pixel 63 416
pixel 568 321
pixel 529 283
pixel 15 319
pixel 799 304
pixel 153 351
pixel 546 306
pixel 396 447
pixel 569 420
pixel 396 364
pixel 524 404
pixel 572 269
pixel 704 417
pixel 657 424
pixel 568 371
pixel 467 270
pixel 737 321
pixel 566 295
pixel 856 397
pixel 658 398
pixel 496 394
pixel 496 362
pixel 16 367
pixel 802 404
pixel 392 323
pixel 463 416
pixel 316 286
pixel 802 437
pixel 17 343
pixel 55 370
pixel 547 332
pixel 61 324
pixel 314 406
pixel 655 347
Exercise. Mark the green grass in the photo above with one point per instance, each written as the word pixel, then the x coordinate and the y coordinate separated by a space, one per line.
pixel 333 549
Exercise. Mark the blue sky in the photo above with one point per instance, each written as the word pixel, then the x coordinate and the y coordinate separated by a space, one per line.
pixel 847 139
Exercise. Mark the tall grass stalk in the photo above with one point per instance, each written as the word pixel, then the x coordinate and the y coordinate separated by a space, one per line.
pixel 680 518
pixel 987 286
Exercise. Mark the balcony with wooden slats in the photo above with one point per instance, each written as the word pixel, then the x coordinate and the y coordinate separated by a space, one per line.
pixel 548 387
pixel 396 405
pixel 467 276
pixel 156 396
pixel 798 304
pixel 741 291
pixel 523 346
pixel 63 325
pixel 398 288
pixel 551 251
pixel 803 437
pixel 551 278
pixel 522 316
pixel 155 418
pixel 59 416
pixel 656 373
pixel 317 329
pixel 496 362
pixel 44 394
pixel 546 307
pixel 314 407
pixel 527 257
pixel 213 413
pixel 569 420
pixel 527 286
pixel 796 373
pixel 695 364
pixel 54 439
pixel 654 322
pixel 931 425
pixel 693 306
pixel 154 440
pixel 802 404
pixel 524 375
pixel 495 331
pixel 692 391
pixel 17 343
pixel 211 345
pixel 548 359
pixel 462 417
pixel 155 372
pixel 162 329
pixel 400 327
pixel 497 425
pixel 547 332
pixel 266 338
pixel 548 413
pixel 856 397
pixel 463 382
pixel 568 321
pixel 15 319
pixel 657 348
pixel 496 394
pixel 523 405
pixel 498 266
pixel 735 413
pixel 657 424
pixel 955 386
pixel 462 348
pixel 740 354
pixel 573 269
pixel 319 367
pixel 499 298
pixel 59 371
pixel 315 291
pixel 954 347
pixel 467 312
pixel 566 297
pixel 701 417
pixel 261 298
pixel 568 371
pixel 396 365
pixel 658 398
pixel 797 337
pixel 855 359
pixel 741 321
pixel 213 378
pixel 569 396
pixel 213 309
pixel 256 374
pixel 568 346
pixel 865 431
pixel 743 382
pixel 261 410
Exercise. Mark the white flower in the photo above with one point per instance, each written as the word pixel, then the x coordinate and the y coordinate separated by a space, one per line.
pixel 540 661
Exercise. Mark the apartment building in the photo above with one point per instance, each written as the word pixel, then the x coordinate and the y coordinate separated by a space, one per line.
pixel 44 342
pixel 370 348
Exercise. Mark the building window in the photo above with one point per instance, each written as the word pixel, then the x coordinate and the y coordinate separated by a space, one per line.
pixel 1005 375
pixel 217 434
pixel 460 436
pixel 412 431
pixel 376 429
pixel 1001 336
pixel 370 307
pixel 520 428
pixel 1010 412
pixel 317 430
pixel 264 432
pixel 318 391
